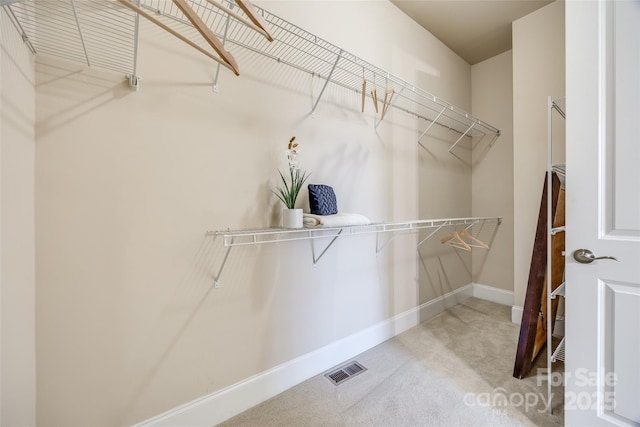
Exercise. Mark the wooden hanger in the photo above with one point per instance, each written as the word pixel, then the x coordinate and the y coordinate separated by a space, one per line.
pixel 173 32
pixel 386 102
pixel 261 29
pixel 364 91
pixel 208 35
pixel 456 241
pixel 374 96
pixel 475 243
pixel 247 7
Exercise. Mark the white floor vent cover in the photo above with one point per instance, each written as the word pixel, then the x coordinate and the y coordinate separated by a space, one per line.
pixel 345 372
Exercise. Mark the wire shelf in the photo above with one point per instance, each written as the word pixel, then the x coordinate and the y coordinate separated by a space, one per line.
pixel 559 291
pixel 304 51
pixel 233 238
pixel 273 235
pixel 104 33
pixel 98 33
pixel 558 354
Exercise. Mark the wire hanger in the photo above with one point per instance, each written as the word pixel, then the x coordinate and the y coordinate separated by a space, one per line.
pixel 456 241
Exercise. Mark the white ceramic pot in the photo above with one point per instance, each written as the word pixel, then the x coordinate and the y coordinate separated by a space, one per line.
pixel 291 218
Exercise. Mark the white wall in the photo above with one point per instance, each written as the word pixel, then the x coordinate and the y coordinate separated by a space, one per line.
pixel 17 283
pixel 538 72
pixel 127 184
pixel 492 181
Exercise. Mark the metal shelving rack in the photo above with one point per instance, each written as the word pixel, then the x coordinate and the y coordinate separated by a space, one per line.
pixel 235 238
pixel 557 354
pixel 104 34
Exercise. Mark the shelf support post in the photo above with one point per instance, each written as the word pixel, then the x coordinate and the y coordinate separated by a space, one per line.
pixel 84 47
pixel 462 136
pixel 326 82
pixel 216 278
pixel 430 235
pixel 224 42
pixel 398 234
pixel 385 244
pixel 316 259
pixel 134 78
pixel 433 122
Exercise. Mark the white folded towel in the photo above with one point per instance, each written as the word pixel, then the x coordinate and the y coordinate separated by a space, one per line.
pixel 336 220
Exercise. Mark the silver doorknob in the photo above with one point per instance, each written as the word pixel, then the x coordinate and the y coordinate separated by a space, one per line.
pixel 585 256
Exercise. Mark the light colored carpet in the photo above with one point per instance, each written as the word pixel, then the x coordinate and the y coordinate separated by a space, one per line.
pixel 453 370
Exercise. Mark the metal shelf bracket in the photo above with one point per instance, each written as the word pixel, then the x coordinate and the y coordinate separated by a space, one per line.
pixel 462 136
pixel 433 122
pixel 428 237
pixel 224 42
pixel 559 291
pixel 84 46
pixel 134 81
pixel 333 239
pixel 326 82
pixel 216 278
pixel 399 232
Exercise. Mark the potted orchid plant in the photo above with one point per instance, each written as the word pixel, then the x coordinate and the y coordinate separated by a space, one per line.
pixel 289 189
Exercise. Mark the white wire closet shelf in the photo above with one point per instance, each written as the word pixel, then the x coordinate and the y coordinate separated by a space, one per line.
pixel 104 33
pixel 559 291
pixel 274 235
pixel 97 33
pixel 233 238
pixel 558 354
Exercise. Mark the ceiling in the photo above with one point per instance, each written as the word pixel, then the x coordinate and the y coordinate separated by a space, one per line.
pixel 474 29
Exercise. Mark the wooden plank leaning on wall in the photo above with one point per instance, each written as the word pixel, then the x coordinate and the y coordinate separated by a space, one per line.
pixel 533 329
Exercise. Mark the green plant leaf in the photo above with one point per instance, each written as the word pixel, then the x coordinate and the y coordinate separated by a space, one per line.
pixel 288 193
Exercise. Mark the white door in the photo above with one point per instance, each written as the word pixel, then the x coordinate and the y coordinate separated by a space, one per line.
pixel 602 368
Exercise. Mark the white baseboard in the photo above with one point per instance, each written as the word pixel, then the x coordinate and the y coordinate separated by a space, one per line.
pixel 516 314
pixel 490 293
pixel 219 406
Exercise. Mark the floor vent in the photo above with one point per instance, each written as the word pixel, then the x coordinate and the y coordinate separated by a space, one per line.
pixel 345 372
